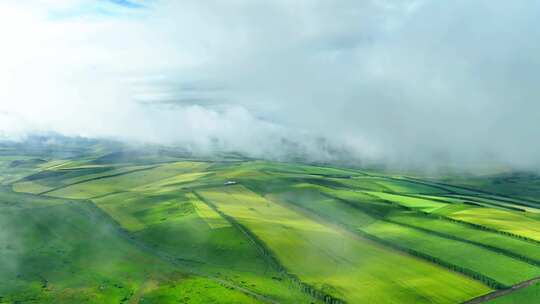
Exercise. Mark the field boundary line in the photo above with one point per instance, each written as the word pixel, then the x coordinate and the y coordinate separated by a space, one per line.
pixel 96 178
pixel 478 191
pixel 444 235
pixel 405 250
pixel 122 232
pixel 267 253
pixel 263 250
pixel 482 227
pixel 459 239
pixel 469 224
pixel 499 293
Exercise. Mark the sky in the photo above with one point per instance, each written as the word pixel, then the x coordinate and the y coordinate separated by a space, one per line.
pixel 405 82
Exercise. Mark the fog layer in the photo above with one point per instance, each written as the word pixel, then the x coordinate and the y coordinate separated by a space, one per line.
pixel 404 82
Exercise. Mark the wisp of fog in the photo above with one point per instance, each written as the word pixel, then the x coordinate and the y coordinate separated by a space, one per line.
pixel 412 82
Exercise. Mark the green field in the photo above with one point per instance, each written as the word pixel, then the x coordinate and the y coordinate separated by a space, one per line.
pixel 331 259
pixel 100 226
pixel 530 294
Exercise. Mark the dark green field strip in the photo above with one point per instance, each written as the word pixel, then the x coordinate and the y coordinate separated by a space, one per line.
pixel 453 189
pixel 441 198
pixel 469 200
pixel 310 169
pixel 307 173
pixel 379 211
pixel 515 201
pixel 485 203
pixel 53 178
pixel 496 202
pixel 97 178
pixel 17 200
pixel 478 191
pixel 270 256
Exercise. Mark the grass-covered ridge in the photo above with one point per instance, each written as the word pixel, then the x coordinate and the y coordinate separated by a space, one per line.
pixel 155 228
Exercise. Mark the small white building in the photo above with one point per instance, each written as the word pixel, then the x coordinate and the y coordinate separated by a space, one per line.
pixel 229 182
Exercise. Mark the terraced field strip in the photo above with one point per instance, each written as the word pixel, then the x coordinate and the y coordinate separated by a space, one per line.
pixel 497 203
pixel 493 268
pixel 509 245
pixel 126 181
pixel 472 191
pixel 95 179
pixel 515 248
pixel 507 222
pixel 429 245
pixel 504 221
pixel 337 262
pixel 507 199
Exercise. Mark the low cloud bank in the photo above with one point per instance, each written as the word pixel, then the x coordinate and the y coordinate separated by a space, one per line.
pixel 412 84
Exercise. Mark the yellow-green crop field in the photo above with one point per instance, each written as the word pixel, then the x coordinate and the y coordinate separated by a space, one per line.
pixel 122 228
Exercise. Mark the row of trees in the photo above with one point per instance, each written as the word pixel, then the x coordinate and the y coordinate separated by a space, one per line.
pixel 481 227
pixel 270 257
pixel 468 272
pixel 488 247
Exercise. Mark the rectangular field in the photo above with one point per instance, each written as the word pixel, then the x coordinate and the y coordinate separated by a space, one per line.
pixel 337 262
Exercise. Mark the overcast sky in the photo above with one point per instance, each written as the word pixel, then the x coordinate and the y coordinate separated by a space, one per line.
pixel 408 82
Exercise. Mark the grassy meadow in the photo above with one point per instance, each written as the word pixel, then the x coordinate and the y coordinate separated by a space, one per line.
pixel 110 227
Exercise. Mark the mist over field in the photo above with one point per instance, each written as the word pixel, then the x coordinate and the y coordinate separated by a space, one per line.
pixel 408 83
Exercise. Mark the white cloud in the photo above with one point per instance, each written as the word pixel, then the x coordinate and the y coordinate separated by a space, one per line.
pixel 410 81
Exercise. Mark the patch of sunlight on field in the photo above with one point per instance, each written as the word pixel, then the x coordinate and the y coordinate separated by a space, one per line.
pixel 403 186
pixel 30 187
pixel 501 220
pixel 211 217
pixel 410 202
pixel 125 182
pixel 136 211
pixel 168 183
pixel 53 164
pixel 344 265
